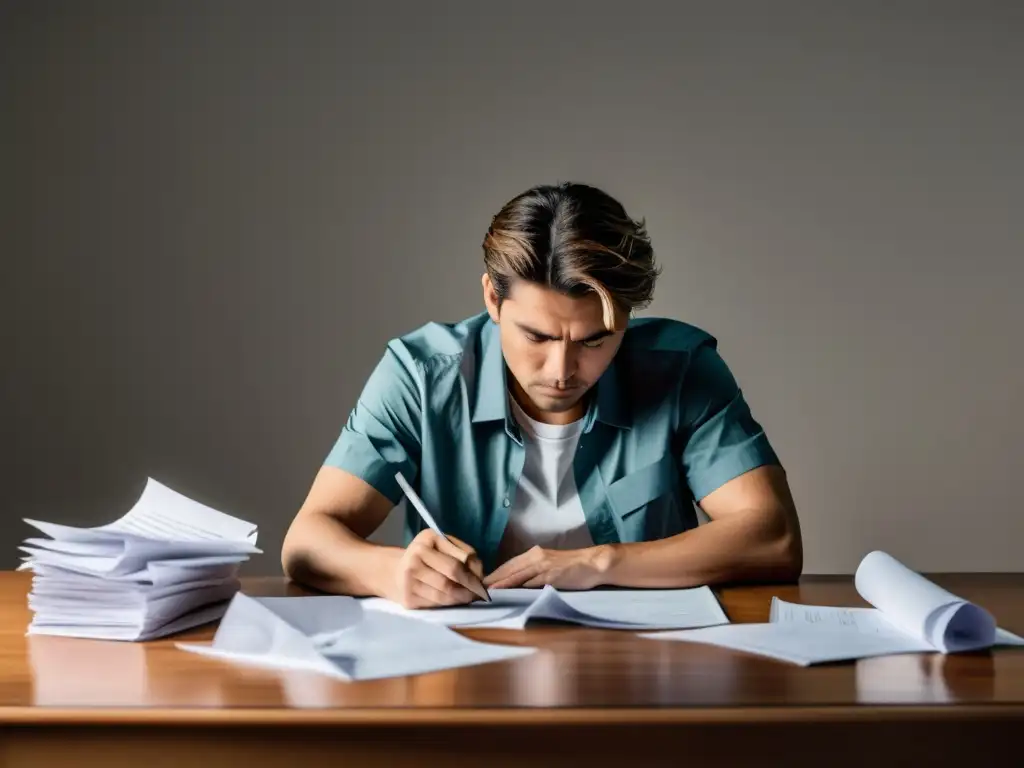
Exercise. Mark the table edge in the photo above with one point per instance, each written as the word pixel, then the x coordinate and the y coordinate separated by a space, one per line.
pixel 502 716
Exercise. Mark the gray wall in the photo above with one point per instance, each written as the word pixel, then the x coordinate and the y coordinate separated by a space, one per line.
pixel 214 215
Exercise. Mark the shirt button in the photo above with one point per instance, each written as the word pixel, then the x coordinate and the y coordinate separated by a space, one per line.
pixel 506 502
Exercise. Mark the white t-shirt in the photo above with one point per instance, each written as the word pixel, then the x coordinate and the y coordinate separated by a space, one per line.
pixel 547 510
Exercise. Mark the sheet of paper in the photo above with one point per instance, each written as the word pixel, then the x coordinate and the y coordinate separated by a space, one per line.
pixel 386 645
pixel 252 631
pixel 337 637
pixel 651 608
pixel 456 616
pixel 606 609
pixel 543 604
pixel 921 608
pixel 159 514
pixel 631 609
pixel 135 556
pixel 867 620
pixel 864 620
pixel 795 643
pixel 164 572
pixel 93 548
pixel 162 513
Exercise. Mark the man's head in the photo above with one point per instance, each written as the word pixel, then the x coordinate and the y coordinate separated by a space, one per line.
pixel 565 268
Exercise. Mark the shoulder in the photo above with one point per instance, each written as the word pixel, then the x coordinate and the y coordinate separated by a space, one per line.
pixel 686 353
pixel 436 346
pixel 665 359
pixel 659 359
pixel 662 334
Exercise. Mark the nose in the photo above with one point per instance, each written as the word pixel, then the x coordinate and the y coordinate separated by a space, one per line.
pixel 561 363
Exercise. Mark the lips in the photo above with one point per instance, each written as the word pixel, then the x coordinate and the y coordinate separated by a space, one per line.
pixel 553 392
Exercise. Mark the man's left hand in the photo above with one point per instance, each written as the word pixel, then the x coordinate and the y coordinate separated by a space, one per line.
pixel 564 569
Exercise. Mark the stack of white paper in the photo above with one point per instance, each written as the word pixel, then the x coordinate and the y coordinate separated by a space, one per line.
pixel 167 565
pixel 636 609
pixel 334 636
pixel 911 615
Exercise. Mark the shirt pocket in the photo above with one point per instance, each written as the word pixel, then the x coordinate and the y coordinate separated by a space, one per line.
pixel 631 494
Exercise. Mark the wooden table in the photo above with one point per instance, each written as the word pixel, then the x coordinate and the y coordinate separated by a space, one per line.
pixel 588 697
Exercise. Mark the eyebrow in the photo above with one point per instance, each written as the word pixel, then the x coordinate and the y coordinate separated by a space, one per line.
pixel 547 337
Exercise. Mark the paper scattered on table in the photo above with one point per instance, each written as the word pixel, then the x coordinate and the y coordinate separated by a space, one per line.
pixel 335 636
pixel 912 615
pixel 862 620
pixel 472 615
pixel 169 564
pixel 636 609
pixel 793 643
pixel 921 609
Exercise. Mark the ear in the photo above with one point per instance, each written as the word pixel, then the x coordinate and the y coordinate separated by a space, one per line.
pixel 490 297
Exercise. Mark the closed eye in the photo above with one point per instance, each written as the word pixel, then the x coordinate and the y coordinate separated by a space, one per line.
pixel 588 343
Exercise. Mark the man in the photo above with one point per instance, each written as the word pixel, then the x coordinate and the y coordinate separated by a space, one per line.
pixel 555 439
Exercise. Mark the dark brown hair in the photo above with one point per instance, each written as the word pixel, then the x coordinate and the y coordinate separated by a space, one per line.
pixel 575 239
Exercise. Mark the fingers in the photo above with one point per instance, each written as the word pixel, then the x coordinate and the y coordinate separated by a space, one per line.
pixel 465 554
pixel 505 570
pixel 538 580
pixel 456 548
pixel 438 589
pixel 521 578
pixel 448 568
pixel 461 544
pixel 471 559
pixel 427 578
pixel 476 567
pixel 442 566
pixel 526 570
pixel 515 578
pixel 532 558
pixel 428 596
pixel 449 545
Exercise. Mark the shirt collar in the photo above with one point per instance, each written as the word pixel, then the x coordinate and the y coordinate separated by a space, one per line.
pixel 609 405
pixel 490 401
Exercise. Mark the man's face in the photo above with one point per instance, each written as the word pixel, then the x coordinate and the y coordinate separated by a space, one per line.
pixel 556 347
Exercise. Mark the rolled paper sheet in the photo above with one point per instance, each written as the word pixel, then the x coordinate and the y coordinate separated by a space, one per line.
pixel 921 608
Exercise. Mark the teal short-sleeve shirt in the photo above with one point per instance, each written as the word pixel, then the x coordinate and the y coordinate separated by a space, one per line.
pixel 666 425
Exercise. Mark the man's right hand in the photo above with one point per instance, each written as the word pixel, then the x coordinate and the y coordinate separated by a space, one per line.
pixel 433 572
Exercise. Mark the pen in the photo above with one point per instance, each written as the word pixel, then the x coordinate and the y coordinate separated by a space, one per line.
pixel 417 502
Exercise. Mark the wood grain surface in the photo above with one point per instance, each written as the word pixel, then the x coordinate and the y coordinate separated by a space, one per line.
pixel 578 675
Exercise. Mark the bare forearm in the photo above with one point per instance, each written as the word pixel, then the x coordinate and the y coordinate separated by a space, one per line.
pixel 749 547
pixel 321 552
